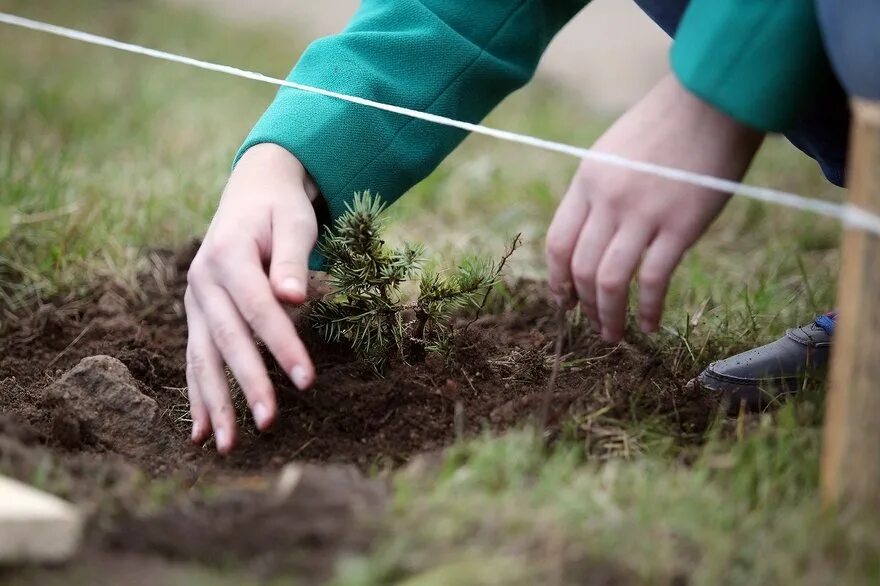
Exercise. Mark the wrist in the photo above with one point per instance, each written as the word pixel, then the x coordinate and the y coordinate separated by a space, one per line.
pixel 276 161
pixel 723 126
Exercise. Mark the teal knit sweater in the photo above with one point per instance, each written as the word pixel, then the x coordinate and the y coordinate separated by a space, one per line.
pixel 754 59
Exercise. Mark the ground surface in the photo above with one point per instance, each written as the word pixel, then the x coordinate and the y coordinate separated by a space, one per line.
pixel 106 158
pixel 93 403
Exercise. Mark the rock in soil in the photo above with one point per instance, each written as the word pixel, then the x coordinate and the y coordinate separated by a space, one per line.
pixel 99 399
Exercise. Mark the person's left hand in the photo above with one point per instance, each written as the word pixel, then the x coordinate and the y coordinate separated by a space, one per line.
pixel 613 221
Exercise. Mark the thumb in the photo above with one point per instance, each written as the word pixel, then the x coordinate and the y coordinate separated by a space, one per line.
pixel 294 232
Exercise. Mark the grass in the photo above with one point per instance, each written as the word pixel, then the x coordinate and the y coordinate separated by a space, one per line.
pixel 103 155
pixel 745 513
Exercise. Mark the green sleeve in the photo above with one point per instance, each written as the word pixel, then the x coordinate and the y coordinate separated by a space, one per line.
pixel 760 61
pixel 456 58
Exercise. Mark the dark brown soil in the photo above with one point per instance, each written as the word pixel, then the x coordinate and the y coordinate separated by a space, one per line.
pixel 93 407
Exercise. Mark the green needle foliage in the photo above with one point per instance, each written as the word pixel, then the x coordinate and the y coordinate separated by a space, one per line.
pixel 368 308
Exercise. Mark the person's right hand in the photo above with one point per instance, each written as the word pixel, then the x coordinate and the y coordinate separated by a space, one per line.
pixel 265 218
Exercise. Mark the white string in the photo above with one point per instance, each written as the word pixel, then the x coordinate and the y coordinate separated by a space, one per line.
pixel 850 215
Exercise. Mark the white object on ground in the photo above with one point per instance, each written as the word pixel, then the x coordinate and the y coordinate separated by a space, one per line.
pixel 36 526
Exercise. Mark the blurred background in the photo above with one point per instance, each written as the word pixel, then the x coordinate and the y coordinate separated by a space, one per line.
pixel 609 55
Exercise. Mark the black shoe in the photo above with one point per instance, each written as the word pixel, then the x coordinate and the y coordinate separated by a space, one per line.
pixel 755 379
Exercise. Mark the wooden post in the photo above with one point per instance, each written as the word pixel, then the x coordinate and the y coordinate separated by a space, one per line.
pixel 851 449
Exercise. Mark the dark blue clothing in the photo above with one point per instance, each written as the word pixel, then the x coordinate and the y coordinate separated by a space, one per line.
pixel 851 29
pixel 852 39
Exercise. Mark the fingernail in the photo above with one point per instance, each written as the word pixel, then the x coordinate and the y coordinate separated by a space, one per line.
pixel 300 377
pixel 196 431
pixel 647 327
pixel 261 415
pixel 221 438
pixel 292 286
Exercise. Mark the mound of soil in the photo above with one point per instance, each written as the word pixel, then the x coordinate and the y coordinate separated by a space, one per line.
pixel 96 386
pixel 300 521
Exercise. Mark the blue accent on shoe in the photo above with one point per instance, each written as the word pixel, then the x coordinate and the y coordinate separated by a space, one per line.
pixel 827 323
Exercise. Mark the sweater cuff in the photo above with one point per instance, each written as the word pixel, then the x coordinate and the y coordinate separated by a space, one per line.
pixel 759 61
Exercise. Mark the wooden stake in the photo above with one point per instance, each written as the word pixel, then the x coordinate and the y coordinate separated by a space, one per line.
pixel 851 450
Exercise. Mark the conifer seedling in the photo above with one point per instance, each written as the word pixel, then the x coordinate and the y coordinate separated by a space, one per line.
pixel 368 308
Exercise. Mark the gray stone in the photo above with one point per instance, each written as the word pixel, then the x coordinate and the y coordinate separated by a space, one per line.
pixel 102 400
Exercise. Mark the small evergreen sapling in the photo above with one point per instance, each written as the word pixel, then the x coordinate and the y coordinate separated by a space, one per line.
pixel 368 308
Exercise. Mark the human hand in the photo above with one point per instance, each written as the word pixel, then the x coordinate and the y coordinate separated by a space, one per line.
pixel 265 217
pixel 612 221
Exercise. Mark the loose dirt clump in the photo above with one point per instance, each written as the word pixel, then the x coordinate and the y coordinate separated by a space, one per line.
pixel 94 408
pixel 301 521
pixel 98 401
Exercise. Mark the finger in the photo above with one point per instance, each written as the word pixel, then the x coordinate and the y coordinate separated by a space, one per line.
pixel 201 423
pixel 562 236
pixel 294 231
pixel 589 250
pixel 233 339
pixel 205 368
pixel 249 289
pixel 616 270
pixel 201 420
pixel 660 260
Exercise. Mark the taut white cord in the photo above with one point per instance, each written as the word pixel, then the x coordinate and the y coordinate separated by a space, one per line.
pixel 851 216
